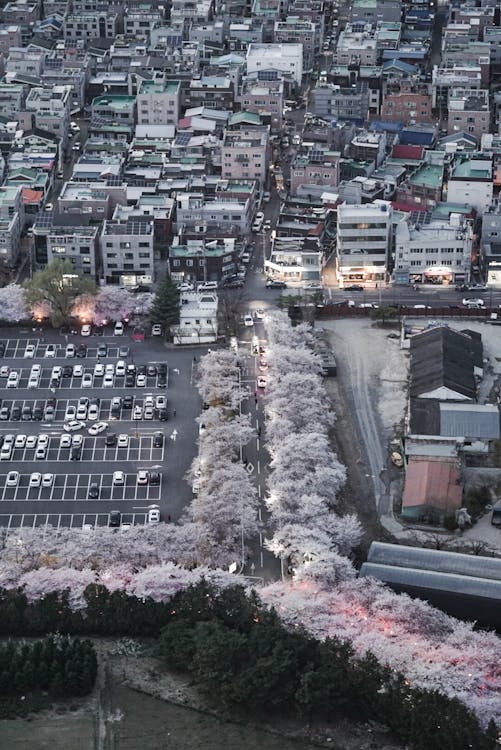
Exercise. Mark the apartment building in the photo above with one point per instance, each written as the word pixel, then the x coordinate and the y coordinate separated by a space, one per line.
pixel 355 47
pixel 199 215
pixel 24 62
pixel 469 110
pixel 158 103
pixel 245 154
pixel 211 92
pixel 363 242
pixel 287 58
pixel 266 98
pixel 471 181
pixel 345 103
pixel 317 166
pixel 10 36
pixel 51 109
pixel 12 97
pixel 11 223
pixel 426 251
pixel 197 319
pixel 85 26
pixel 295 30
pixel 199 260
pixel 407 101
pixel 80 245
pixel 127 252
pixel 114 109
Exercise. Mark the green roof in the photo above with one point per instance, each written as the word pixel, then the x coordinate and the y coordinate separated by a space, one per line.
pixel 244 116
pixel 115 101
pixel 430 176
pixel 470 169
pixel 444 209
pixel 156 87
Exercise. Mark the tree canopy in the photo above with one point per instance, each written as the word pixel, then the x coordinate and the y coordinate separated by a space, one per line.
pixel 165 307
pixel 59 286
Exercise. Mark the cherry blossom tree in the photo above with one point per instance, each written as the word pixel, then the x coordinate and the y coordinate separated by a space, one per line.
pixel 13 307
pixel 37 583
pixel 218 380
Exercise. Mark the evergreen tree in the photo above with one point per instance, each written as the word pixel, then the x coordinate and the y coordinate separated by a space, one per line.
pixel 165 308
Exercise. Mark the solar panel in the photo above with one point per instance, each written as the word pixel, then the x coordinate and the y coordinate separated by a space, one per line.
pixel 44 219
pixel 182 139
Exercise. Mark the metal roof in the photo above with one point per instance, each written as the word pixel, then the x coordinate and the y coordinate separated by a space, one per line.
pixel 469 420
pixel 439 561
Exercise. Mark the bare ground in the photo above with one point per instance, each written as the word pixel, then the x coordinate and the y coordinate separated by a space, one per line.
pixel 138 705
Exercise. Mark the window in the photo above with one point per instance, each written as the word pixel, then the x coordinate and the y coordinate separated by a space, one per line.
pixel 59 250
pixel 85 251
pixel 144 255
pixel 176 263
pixel 144 244
pixel 189 263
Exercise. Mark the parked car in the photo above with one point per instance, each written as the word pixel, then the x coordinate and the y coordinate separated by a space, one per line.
pixel 29 352
pixel 87 380
pixel 276 284
pixel 94 491
pixel 119 329
pixel 97 428
pixel 156 329
pixel 50 351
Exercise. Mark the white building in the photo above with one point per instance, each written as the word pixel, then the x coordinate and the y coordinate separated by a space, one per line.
pixel 439 249
pixel 197 318
pixel 158 103
pixel 285 57
pixel 470 182
pixel 363 242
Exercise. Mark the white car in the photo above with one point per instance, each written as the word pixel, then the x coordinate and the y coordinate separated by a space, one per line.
pixel 29 352
pixel 108 381
pixel 154 516
pixel 149 412
pixel 70 351
pixel 50 351
pixel 4 371
pixel 56 372
pixel 161 402
pixel 156 329
pixel 87 380
pixel 43 439
pixel 142 476
pixel 41 452
pixel 119 329
pixel 120 368
pixel 12 479
pixel 99 370
pixel 13 379
pixel 47 480
pixel 77 440
pixel 6 452
pixel 123 441
pixel 261 381
pixel 93 413
pixel 137 412
pixel 118 477
pixel 20 441
pixel 71 413
pixel 74 426
pixel 474 303
pixel 259 314
pixel 109 369
pixel 65 441
pixel 248 321
pixel 141 381
pixel 97 428
pixel 35 479
pixel 86 330
pixel 31 441
pixel 78 371
pixel 82 411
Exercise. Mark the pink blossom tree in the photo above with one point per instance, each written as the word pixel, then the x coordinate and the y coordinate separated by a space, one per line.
pixel 13 307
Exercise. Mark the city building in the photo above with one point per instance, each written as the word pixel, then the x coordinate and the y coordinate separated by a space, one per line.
pixel 470 181
pixel 469 111
pixel 363 242
pixel 287 58
pixel 197 319
pixel 158 103
pixel 344 103
pixel 433 251
pixel 127 252
pixel 245 154
pixel 51 110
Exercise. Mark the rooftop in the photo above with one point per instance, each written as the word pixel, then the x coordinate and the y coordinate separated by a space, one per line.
pixel 429 175
pixel 473 169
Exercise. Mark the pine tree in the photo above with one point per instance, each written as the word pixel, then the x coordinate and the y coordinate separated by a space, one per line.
pixel 165 308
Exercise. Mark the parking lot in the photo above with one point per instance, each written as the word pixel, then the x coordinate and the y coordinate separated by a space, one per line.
pixel 41 425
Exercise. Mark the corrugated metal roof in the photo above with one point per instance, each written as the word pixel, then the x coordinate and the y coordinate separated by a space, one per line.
pixel 441 357
pixel 440 561
pixel 482 588
pixel 432 482
pixel 469 420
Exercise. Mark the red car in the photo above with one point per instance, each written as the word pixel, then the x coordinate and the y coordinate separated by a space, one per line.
pixel 138 334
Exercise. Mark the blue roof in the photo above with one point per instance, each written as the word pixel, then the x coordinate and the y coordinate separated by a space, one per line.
pixel 380 125
pixel 400 65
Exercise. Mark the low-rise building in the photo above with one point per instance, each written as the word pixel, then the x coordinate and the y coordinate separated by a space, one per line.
pixel 127 252
pixel 200 260
pixel 158 103
pixel 406 101
pixel 266 98
pixel 245 154
pixel 201 215
pixel 295 259
pixel 356 46
pixel 287 58
pixel 471 181
pixel 428 251
pixel 345 103
pixel 295 30
pixel 363 242
pixel 317 166
pixel 197 319
pixel 51 109
pixel 469 110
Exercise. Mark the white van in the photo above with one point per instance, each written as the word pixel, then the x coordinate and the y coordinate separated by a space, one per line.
pixel 207 286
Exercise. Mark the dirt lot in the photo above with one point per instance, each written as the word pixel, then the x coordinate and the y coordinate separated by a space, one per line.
pixel 139 706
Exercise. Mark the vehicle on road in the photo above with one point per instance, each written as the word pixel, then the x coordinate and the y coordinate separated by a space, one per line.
pixel 74 425
pixel 354 288
pixel 261 381
pixel 276 284
pixel 156 329
pixel 258 222
pixel 97 428
pixel 248 321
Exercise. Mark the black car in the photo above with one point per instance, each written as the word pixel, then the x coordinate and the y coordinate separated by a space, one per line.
pixel 158 439
pixel 141 370
pixel 26 414
pixel 276 284
pixel 115 519
pixel 55 382
pixel 162 381
pixel 75 453
pixel 94 491
pixel 127 402
pixel 163 415
pixel 67 371
pixel 162 369
pixel 152 370
pixel 110 439
pixel 354 288
pixel 130 380
pixel 154 478
pixel 2 348
pixel 96 401
pixel 37 413
pixel 15 413
pixel 82 350
pixel 102 350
